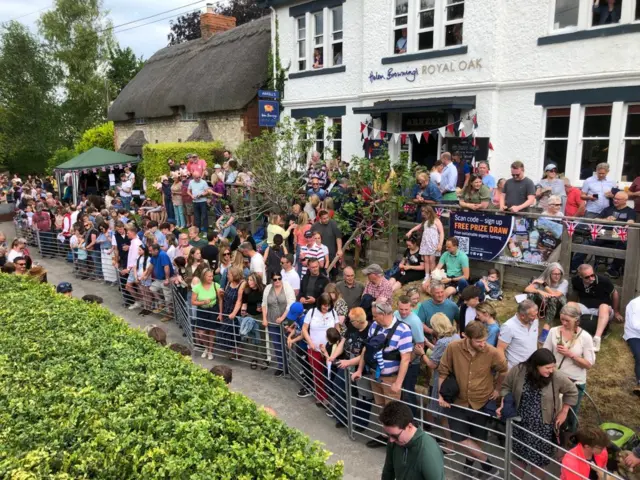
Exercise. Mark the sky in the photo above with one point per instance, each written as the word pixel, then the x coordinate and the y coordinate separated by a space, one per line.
pixel 144 40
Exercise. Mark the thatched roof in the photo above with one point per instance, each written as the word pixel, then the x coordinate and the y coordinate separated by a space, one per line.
pixel 201 133
pixel 133 145
pixel 223 72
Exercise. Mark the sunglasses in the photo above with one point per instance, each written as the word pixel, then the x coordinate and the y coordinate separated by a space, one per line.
pixel 226 254
pixel 276 279
pixel 593 275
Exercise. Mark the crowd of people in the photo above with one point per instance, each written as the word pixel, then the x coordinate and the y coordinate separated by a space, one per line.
pixel 291 278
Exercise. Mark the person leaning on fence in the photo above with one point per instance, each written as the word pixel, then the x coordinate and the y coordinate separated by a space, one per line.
pixel 438 303
pixel 277 298
pixel 591 449
pixel 208 299
pixel 411 453
pixel 543 396
pixel 386 355
pixel 573 348
pixel 232 305
pixel 162 271
pixel 478 369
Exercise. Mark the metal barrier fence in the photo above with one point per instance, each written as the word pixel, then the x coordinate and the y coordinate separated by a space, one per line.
pixel 475 444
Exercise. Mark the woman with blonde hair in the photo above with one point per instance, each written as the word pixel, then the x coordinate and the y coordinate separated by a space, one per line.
pixel 339 304
pixel 311 207
pixel 275 228
pixel 302 227
pixel 487 315
pixel 446 333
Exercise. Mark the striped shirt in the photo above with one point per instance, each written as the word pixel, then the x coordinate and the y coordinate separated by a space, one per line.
pixel 402 340
pixel 315 251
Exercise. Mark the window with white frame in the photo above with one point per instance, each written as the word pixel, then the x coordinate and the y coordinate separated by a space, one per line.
pixel 328 137
pixel 336 134
pixel 141 121
pixel 595 139
pixel 320 139
pixel 420 25
pixel 583 14
pixel 556 137
pixel 188 116
pixel 301 28
pixel 319 39
pixel 630 162
pixel 336 36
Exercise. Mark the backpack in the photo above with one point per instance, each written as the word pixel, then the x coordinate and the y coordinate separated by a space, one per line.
pixel 377 343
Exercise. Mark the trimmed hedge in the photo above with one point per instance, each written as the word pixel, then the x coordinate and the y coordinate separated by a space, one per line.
pixel 155 156
pixel 84 396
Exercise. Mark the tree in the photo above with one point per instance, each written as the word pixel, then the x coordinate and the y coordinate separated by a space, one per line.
pixel 59 157
pixel 79 36
pixel 29 113
pixel 100 136
pixel 123 66
pixel 244 10
pixel 185 28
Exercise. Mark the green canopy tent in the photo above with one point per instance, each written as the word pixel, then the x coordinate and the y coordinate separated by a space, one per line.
pixel 92 160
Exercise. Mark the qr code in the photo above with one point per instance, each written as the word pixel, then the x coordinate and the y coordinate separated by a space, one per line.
pixel 463 244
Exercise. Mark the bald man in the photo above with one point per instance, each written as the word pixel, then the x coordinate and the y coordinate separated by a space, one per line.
pixel 350 289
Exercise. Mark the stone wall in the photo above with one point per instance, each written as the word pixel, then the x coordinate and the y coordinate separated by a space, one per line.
pixel 231 128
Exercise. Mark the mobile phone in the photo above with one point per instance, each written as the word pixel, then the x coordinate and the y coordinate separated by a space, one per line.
pixel 595 195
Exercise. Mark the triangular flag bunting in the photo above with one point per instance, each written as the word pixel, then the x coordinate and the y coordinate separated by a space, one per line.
pixel 439 211
pixel 595 230
pixel 473 139
pixel 450 128
pixel 571 227
pixel 462 134
pixel 442 131
pixel 418 137
pixel 403 138
pixel 425 135
pixel 396 137
pixel 475 120
pixel 490 146
pixel 383 134
pixel 362 127
pixel 376 132
pixel 621 232
pixel 359 240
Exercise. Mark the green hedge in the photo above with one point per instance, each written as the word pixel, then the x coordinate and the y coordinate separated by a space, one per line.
pixel 155 156
pixel 84 396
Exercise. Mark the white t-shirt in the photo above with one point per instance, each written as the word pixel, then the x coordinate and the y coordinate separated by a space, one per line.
pixel 469 315
pixel 74 217
pixel 257 266
pixel 125 189
pixel 522 341
pixel 292 278
pixel 13 254
pixel 319 323
pixel 132 254
pixel 172 252
pixel 582 347
pixel 435 177
pixel 632 319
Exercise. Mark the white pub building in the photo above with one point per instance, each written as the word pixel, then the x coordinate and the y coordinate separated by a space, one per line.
pixel 547 80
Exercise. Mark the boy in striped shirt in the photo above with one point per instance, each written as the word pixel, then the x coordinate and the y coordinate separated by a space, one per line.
pixel 310 250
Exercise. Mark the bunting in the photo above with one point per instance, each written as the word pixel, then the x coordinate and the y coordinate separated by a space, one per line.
pixel 571 228
pixel 595 230
pixel 621 232
pixel 439 211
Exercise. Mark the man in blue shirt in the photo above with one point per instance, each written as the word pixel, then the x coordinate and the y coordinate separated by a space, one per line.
pixel 425 191
pixel 438 303
pixel 487 178
pixel 161 272
pixel 596 190
pixel 316 189
pixel 161 240
pixel 449 178
pixel 198 191
pixel 404 314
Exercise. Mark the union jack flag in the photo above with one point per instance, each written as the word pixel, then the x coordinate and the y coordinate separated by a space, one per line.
pixel 369 231
pixel 104 169
pixel 380 222
pixel 439 211
pixel 359 240
pixel 571 228
pixel 621 232
pixel 595 230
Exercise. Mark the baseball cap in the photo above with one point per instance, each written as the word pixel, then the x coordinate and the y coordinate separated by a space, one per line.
pixel 295 310
pixel 373 268
pixel 64 287
pixel 551 166
pixel 308 234
pixel 217 165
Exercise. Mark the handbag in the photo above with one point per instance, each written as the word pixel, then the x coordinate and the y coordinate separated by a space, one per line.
pixel 449 390
pixel 561 433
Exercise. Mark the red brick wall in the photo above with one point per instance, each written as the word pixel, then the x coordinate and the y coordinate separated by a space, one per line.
pixel 212 23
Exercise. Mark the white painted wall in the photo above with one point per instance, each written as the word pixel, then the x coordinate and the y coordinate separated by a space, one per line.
pixel 503 34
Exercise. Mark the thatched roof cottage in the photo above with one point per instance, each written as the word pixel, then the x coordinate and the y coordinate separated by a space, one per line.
pixel 204 89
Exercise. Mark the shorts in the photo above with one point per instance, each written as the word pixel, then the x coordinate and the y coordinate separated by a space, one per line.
pixel 460 430
pixel 188 208
pixel 382 393
pixel 131 278
pixel 594 311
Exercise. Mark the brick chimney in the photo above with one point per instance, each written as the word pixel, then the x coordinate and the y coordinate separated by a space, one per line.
pixel 211 23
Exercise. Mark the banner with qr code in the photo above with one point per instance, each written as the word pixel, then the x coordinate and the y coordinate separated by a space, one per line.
pixel 505 238
pixel 481 236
